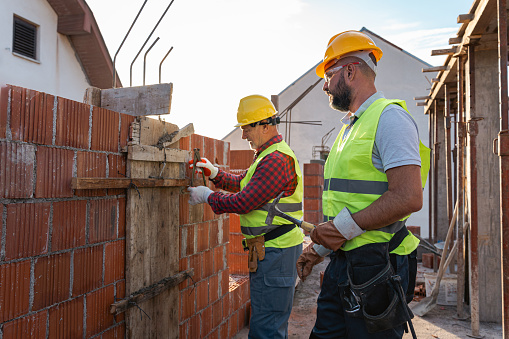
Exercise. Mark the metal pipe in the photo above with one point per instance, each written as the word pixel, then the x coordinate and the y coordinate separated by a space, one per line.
pixel 157 24
pixel 161 63
pixel 474 254
pixel 145 59
pixel 503 153
pixel 460 284
pixel 125 37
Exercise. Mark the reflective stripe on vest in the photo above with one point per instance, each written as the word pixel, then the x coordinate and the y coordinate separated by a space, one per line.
pixel 352 181
pixel 253 223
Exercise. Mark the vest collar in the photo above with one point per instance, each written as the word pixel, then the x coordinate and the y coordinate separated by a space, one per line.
pixel 348 118
pixel 272 141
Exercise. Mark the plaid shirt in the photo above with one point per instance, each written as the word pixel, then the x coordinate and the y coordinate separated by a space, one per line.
pixel 274 173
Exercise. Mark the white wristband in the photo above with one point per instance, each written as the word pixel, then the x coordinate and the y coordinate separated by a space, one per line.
pixel 322 251
pixel 346 225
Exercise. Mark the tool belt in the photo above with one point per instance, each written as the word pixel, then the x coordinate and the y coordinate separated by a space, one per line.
pixel 256 246
pixel 373 291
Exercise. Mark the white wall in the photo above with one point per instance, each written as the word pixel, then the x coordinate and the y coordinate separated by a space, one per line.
pixel 399 77
pixel 57 70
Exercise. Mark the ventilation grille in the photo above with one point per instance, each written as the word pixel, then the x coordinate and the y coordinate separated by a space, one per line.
pixel 24 38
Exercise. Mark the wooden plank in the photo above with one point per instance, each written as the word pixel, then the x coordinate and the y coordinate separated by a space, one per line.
pixel 150 292
pixel 454 41
pixel 447 51
pixel 422 98
pixel 435 69
pixel 420 104
pixel 152 130
pixel 435 80
pixel 138 101
pixel 465 18
pixel 152 251
pixel 97 183
pixel 152 153
pixel 182 133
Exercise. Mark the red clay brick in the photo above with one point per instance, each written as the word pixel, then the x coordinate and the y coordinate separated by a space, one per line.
pixel 183 328
pixel 116 164
pixel 214 234
pixel 14 290
pixel 312 204
pixel 114 261
pixel 189 236
pixel 213 288
pixel 203 237
pixel 184 143
pixel 234 223
pixel 32 118
pixel 206 322
pixel 54 172
pixel 415 229
pixel 236 243
pixel 103 220
pixel 187 302
pixel 125 123
pixel 69 224
pixel 99 317
pixel 32 326
pixel 238 263
pixel 314 218
pixel 313 169
pixel 88 268
pixel 219 258
pixel 5 95
pixel 196 262
pixel 217 311
pixel 66 319
pixel 17 163
pixel 214 334
pixel 91 165
pixel 223 330
pixel 242 317
pixel 209 149
pixel 105 130
pixel 197 142
pixel 225 282
pixel 225 232
pixel 120 294
pixel 208 214
pixel 313 180
pixel 117 332
pixel 234 323
pixel 208 264
pixel 72 124
pixel 226 306
pixel 221 154
pixel 183 209
pixel 428 260
pixel 52 280
pixel 27 230
pixel 183 266
pixel 202 295
pixel 313 192
pixel 121 217
pixel 244 291
pixel 194 327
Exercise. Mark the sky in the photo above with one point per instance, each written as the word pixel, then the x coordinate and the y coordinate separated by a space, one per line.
pixel 224 50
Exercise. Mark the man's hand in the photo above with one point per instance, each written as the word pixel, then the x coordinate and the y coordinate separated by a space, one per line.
pixel 207 167
pixel 306 261
pixel 327 235
pixel 199 195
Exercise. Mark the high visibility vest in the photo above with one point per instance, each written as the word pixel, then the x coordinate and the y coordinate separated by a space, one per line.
pixel 352 181
pixel 253 223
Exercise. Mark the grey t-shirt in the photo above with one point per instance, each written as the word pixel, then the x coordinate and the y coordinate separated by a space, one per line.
pixel 397 136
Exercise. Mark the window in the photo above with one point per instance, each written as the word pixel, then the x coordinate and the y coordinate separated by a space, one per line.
pixel 24 41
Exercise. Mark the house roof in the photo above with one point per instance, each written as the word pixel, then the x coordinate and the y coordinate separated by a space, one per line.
pixel 76 20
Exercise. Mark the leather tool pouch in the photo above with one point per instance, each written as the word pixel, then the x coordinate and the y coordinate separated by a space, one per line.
pixel 376 287
pixel 256 247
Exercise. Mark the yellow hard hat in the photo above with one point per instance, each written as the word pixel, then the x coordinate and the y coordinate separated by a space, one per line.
pixel 347 42
pixel 254 108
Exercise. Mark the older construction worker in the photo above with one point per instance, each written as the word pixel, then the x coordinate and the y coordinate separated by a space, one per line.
pixel 274 248
pixel 374 177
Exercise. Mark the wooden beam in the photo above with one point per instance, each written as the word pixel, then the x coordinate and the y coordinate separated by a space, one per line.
pixel 150 292
pixel 152 153
pixel 465 18
pixel 422 98
pixel 454 41
pixel 98 183
pixel 435 80
pixel 448 51
pixel 420 104
pixel 435 69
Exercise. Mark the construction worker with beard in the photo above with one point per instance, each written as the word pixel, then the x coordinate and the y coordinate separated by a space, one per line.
pixel 273 249
pixel 374 178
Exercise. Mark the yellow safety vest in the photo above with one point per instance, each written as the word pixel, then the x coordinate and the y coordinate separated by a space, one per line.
pixel 352 181
pixel 253 223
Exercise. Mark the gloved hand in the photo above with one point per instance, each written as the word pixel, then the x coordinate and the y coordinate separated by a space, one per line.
pixel 306 261
pixel 327 235
pixel 207 167
pixel 199 195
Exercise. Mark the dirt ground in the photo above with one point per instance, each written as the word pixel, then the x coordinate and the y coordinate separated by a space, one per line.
pixel 440 323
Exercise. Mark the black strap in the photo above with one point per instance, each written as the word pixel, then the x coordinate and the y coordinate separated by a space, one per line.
pixel 397 239
pixel 283 229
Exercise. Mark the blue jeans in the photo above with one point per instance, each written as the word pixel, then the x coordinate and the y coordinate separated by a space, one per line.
pixel 331 319
pixel 272 287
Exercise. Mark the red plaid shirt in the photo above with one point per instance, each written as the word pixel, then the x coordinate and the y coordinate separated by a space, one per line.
pixel 274 173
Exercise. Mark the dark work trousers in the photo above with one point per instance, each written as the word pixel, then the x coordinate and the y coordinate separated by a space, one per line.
pixel 332 321
pixel 272 287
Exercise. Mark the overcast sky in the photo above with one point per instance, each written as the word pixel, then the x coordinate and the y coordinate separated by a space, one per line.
pixel 224 50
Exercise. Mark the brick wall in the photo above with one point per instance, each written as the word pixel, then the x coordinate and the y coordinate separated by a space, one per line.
pixel 313 188
pixel 215 305
pixel 62 252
